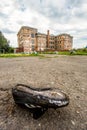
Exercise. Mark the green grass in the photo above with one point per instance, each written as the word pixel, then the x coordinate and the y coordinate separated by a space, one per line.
pixel 11 55
pixel 64 53
pixel 77 52
pixel 48 52
pixel 41 55
pixel 80 52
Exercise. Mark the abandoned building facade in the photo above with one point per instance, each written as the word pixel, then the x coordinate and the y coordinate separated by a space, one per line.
pixel 29 39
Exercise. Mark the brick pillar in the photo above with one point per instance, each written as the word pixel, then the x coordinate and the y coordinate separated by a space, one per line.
pixel 48 32
pixel 36 48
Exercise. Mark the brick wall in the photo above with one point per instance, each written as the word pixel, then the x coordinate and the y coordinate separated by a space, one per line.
pixel 29 39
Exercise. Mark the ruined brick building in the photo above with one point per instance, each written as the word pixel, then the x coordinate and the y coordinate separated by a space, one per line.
pixel 29 39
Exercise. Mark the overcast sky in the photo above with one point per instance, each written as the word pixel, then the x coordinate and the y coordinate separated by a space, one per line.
pixel 59 16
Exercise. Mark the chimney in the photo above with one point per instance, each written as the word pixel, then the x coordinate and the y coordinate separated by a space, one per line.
pixel 48 32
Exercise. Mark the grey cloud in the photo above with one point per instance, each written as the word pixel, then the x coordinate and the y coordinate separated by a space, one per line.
pixel 74 3
pixel 81 14
pixel 47 10
pixel 20 22
pixel 6 30
pixel 22 8
pixel 21 5
pixel 64 15
pixel 83 38
pixel 3 15
pixel 70 14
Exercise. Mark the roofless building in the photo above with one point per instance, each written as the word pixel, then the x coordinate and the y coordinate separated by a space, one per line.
pixel 29 39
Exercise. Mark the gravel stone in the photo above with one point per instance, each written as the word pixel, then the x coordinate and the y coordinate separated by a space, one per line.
pixel 68 73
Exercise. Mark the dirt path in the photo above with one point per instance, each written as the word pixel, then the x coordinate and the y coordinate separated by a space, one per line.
pixel 69 73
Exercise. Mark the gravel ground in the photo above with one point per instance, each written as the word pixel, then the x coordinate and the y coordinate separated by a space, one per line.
pixel 69 73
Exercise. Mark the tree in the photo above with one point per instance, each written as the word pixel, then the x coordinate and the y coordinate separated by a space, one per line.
pixel 4 44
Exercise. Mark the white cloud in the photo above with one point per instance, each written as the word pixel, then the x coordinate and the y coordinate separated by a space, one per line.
pixel 58 16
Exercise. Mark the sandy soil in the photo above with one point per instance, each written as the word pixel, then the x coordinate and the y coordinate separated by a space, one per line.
pixel 69 73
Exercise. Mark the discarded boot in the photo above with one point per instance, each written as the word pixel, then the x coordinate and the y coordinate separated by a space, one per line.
pixel 39 100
